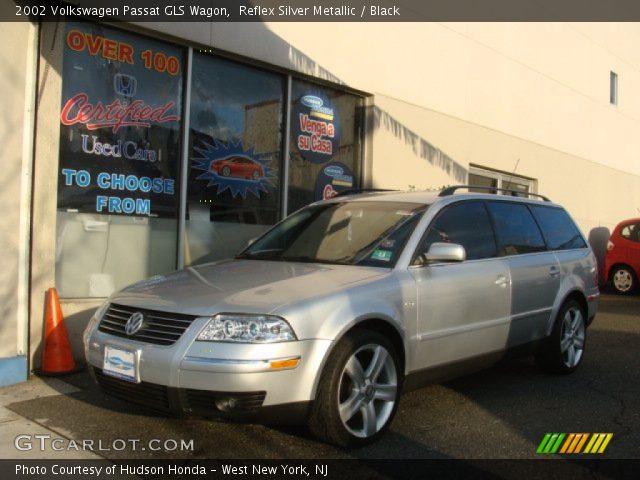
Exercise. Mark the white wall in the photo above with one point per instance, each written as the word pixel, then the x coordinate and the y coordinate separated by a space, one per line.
pixel 13 64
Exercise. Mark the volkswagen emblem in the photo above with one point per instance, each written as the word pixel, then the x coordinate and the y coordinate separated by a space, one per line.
pixel 135 323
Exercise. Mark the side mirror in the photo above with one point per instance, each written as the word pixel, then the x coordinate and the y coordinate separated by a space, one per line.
pixel 445 252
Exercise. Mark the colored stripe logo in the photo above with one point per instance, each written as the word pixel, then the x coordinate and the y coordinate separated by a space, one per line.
pixel 574 443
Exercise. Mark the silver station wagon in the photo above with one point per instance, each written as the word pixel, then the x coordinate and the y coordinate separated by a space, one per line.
pixel 332 313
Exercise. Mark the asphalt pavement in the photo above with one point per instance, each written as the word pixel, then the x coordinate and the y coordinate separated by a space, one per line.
pixel 502 412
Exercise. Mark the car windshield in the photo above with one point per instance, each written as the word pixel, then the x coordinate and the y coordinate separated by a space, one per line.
pixel 349 233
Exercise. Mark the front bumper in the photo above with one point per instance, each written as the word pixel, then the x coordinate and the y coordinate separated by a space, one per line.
pixel 202 377
pixel 206 403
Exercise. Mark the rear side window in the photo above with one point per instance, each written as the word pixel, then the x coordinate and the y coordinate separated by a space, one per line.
pixel 466 224
pixel 558 229
pixel 516 229
pixel 631 232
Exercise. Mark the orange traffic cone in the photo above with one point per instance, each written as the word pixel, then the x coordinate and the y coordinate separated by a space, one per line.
pixel 57 358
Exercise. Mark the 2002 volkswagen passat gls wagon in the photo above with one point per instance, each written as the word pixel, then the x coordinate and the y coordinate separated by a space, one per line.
pixel 334 311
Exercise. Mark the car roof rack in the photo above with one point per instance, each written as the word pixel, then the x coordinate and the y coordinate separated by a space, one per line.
pixel 514 193
pixel 354 191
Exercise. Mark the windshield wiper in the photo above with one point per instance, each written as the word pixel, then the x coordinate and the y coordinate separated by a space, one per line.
pixel 307 259
pixel 267 254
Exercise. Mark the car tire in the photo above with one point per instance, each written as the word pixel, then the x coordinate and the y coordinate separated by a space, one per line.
pixel 563 351
pixel 623 280
pixel 226 171
pixel 358 392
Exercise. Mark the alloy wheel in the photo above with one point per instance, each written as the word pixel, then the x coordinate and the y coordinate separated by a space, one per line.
pixel 367 391
pixel 572 337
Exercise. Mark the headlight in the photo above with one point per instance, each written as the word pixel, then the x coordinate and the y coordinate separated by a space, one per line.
pixel 247 329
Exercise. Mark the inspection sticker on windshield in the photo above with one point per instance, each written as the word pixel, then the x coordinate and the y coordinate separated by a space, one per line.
pixel 384 255
pixel 120 363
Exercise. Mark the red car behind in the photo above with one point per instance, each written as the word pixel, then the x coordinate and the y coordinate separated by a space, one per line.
pixel 622 261
pixel 237 166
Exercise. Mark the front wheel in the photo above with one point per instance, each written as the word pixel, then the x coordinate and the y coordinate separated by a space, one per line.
pixel 623 280
pixel 358 393
pixel 563 350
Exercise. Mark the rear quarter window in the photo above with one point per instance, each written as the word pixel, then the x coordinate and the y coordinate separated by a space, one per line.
pixel 516 229
pixel 558 229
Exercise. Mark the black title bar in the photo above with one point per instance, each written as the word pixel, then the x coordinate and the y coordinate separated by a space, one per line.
pixel 320 10
pixel 331 469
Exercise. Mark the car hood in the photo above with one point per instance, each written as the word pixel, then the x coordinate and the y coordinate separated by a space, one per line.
pixel 249 286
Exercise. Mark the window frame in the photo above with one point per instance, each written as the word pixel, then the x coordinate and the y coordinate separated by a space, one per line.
pixel 503 177
pixel 289 77
pixel 360 121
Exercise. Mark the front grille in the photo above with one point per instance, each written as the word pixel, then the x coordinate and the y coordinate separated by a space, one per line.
pixel 207 403
pixel 160 328
pixel 149 395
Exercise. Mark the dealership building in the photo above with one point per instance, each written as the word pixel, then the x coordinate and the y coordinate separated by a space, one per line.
pixel 131 150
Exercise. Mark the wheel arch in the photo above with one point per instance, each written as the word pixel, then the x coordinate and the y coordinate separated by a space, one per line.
pixel 376 323
pixel 572 294
pixel 578 296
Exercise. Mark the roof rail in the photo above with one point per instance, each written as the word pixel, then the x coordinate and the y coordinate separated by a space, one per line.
pixel 514 193
pixel 354 191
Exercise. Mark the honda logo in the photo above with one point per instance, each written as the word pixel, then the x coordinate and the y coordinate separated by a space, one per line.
pixel 125 85
pixel 134 324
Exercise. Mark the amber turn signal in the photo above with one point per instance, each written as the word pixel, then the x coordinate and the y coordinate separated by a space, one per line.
pixel 286 363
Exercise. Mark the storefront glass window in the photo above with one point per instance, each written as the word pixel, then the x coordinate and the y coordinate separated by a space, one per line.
pixel 118 161
pixel 325 147
pixel 235 159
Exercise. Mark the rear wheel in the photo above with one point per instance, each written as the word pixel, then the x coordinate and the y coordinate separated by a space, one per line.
pixel 623 280
pixel 563 350
pixel 358 393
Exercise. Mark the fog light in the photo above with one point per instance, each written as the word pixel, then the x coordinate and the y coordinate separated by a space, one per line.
pixel 226 404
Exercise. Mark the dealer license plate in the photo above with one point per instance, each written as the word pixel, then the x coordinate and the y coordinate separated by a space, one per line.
pixel 120 363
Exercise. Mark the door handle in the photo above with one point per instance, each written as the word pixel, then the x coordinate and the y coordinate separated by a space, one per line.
pixel 554 272
pixel 501 281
